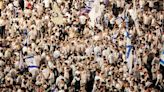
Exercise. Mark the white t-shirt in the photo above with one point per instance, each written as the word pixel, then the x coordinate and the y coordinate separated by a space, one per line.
pixel 89 51
pixel 59 1
pixel 146 19
pixel 97 50
pixel 47 3
pixel 151 3
pixel 83 77
pixel 37 59
pixel 133 14
pixel 51 76
pixel 159 78
pixel 10 6
pixel 1 22
pixel 16 3
pixel 2 63
pixel 66 73
pixel 46 73
pixel 119 3
pixel 105 52
pixel 50 64
pixel 142 3
pixel 59 79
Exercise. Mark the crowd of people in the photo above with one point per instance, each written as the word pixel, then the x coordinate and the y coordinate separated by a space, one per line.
pixel 37 55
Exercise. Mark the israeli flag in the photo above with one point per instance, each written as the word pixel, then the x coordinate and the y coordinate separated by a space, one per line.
pixel 162 58
pixel 30 61
pixel 129 48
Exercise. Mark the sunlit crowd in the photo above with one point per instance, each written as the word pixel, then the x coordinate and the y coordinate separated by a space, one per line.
pixel 39 55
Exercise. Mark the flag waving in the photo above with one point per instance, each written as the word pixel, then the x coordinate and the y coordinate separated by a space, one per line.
pixel 162 57
pixel 31 63
pixel 129 48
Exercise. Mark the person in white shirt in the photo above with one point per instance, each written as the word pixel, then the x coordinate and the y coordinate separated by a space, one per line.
pixel 51 77
pixel 47 3
pixel 59 78
pixel 159 78
pixel 97 50
pixel 142 3
pixel 83 19
pixel 46 72
pixel 151 3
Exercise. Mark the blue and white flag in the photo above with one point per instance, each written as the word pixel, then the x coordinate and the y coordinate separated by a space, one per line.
pixel 30 61
pixel 129 58
pixel 162 58
pixel 32 65
pixel 129 48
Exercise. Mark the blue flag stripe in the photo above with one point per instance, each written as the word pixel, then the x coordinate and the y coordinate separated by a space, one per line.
pixel 129 47
pixel 33 66
pixel 29 57
pixel 162 62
